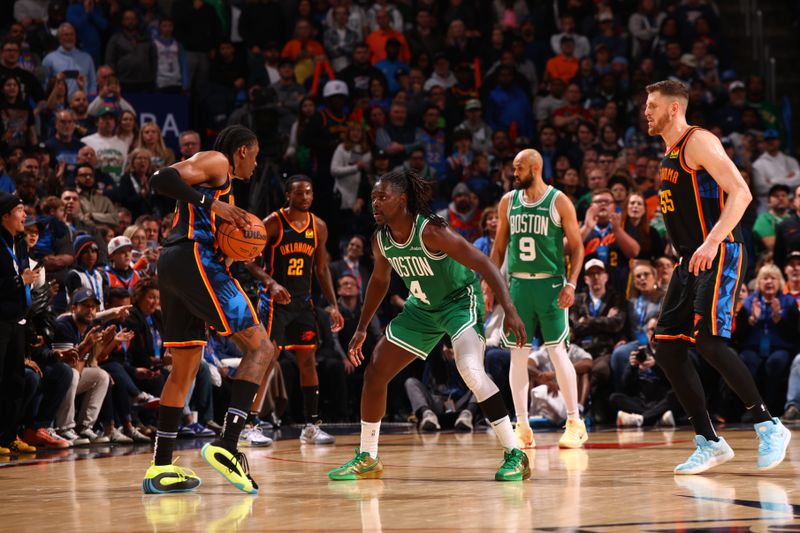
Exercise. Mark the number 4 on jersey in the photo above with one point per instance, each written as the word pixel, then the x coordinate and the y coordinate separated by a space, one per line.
pixel 416 290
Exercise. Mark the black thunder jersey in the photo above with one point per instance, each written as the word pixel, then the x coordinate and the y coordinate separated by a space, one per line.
pixel 290 259
pixel 199 223
pixel 691 200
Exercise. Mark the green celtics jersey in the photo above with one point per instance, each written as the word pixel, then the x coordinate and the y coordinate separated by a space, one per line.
pixel 536 238
pixel 432 279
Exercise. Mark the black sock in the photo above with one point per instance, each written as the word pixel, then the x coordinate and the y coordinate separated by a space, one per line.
pixel 167 432
pixel 311 404
pixel 242 395
pixel 702 426
pixel 759 412
pixel 493 407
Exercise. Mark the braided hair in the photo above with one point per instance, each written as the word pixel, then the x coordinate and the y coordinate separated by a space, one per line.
pixel 231 139
pixel 419 192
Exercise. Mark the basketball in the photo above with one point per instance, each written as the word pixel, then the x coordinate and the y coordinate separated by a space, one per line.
pixel 242 244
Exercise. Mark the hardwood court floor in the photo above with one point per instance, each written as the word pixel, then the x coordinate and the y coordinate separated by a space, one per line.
pixel 621 482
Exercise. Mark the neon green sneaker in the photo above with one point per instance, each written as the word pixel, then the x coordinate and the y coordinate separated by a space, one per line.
pixel 169 478
pixel 515 466
pixel 362 466
pixel 232 466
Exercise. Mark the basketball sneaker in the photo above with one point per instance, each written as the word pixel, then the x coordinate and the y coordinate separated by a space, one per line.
pixel 5 451
pixel 232 465
pixel 773 440
pixel 252 436
pixel 429 422
pixel 70 436
pixel 20 446
pixel 162 479
pixel 45 438
pixel 629 420
pixel 362 466
pixel 313 434
pixel 707 455
pixel 524 435
pixel 515 467
pixel 464 421
pixel 574 434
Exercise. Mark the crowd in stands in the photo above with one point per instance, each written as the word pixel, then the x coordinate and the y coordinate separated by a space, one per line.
pixel 344 91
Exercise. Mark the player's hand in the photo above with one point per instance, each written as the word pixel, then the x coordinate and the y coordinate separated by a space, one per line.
pixel 566 297
pixel 354 349
pixel 235 215
pixel 337 320
pixel 513 323
pixel 703 257
pixel 279 294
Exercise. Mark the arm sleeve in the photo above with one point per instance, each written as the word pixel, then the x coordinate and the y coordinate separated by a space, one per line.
pixel 168 182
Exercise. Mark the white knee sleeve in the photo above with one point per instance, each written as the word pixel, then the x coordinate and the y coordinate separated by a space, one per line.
pixel 468 348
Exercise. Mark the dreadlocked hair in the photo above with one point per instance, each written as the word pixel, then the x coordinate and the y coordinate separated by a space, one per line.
pixel 232 138
pixel 419 192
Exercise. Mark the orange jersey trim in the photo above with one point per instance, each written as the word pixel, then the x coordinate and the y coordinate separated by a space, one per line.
pixel 185 344
pixel 309 219
pixel 299 346
pixel 190 231
pixel 675 338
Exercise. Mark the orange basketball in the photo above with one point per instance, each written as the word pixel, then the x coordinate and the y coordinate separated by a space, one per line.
pixel 242 244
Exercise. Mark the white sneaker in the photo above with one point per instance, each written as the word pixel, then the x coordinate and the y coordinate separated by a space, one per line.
pixel 429 422
pixel 137 435
pixel 313 434
pixel 629 420
pixel 70 436
pixel 464 421
pixel 251 436
pixel 93 437
pixel 667 420
pixel 118 437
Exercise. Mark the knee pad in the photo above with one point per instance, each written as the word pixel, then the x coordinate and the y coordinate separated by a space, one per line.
pixel 468 348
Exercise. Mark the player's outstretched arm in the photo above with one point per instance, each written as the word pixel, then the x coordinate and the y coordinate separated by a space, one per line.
pixel 501 237
pixel 377 287
pixel 704 150
pixel 569 222
pixel 443 239
pixel 324 276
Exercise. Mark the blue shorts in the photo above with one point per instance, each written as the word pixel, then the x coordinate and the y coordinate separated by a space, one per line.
pixel 197 289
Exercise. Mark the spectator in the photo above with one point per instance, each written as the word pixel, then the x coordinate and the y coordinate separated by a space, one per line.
pixel 605 238
pixel 146 358
pixel 567 117
pixel 391 67
pixel 228 70
pixel 75 330
pixel 431 137
pixel 64 145
pixel 30 88
pixel 298 153
pixel 110 95
pixel 87 155
pixel 189 143
pixel 289 95
pixel 773 167
pixel 634 222
pixel 645 303
pixel 94 205
pixel 547 401
pixel 128 131
pixel 198 28
pixel 86 271
pixel 119 270
pixel 442 75
pixel 480 130
pixel 792 271
pixel 111 150
pixel 17 119
pixel 133 191
pixel 582 46
pixel 376 41
pixel 463 214
pixel 764 227
pixel 352 264
pixel 766 331
pixel 339 40
pixel 349 165
pixel 79 105
pixel 643 26
pixel 508 106
pixel 76 65
pixel 132 55
pixel 787 233
pixel 423 37
pixel 172 68
pixel 303 50
pixel 150 139
pixel 359 74
pixel 393 15
pixel 646 397
pixel 488 226
pixel 90 26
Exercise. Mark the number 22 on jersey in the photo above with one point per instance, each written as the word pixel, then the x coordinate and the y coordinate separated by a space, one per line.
pixel 295 266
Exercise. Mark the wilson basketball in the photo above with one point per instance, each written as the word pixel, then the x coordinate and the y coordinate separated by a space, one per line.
pixel 242 244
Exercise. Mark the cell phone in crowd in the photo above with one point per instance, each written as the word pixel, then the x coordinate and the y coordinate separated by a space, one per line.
pixel 71 74
pixel 152 245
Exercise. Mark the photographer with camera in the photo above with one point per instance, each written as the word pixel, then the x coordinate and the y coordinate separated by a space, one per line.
pixel 646 396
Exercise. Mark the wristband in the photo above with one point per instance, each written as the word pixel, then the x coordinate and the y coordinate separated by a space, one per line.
pixel 568 284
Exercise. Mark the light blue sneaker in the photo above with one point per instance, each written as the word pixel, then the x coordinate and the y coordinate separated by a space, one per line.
pixel 707 455
pixel 774 439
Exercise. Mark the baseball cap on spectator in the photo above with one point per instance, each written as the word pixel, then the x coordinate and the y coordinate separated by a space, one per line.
pixel 81 243
pixel 334 88
pixel 771 133
pixel 83 294
pixel 472 103
pixel 107 110
pixel 779 187
pixel 118 243
pixel 735 86
pixel 791 256
pixel 458 190
pixel 726 141
pixel 619 60
pixel 34 221
pixel 593 263
pixel 689 60
pixel 8 202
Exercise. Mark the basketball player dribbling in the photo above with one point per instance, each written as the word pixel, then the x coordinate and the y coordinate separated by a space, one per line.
pixel 197 289
pixel 703 198
pixel 295 250
pixel 436 264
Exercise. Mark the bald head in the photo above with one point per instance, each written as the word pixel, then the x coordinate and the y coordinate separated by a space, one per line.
pixel 527 167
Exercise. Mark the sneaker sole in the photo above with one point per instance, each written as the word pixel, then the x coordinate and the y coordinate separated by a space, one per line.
pixel 355 477
pixel 572 445
pixel 716 461
pixel 237 485
pixel 517 477
pixel 247 444
pixel 147 488
pixel 783 454
pixel 305 441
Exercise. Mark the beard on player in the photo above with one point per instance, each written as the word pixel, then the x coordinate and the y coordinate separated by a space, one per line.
pixel 658 125
pixel 524 182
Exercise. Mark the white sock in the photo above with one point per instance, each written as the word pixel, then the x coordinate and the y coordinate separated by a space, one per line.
pixel 370 432
pixel 566 377
pixel 518 380
pixel 502 428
